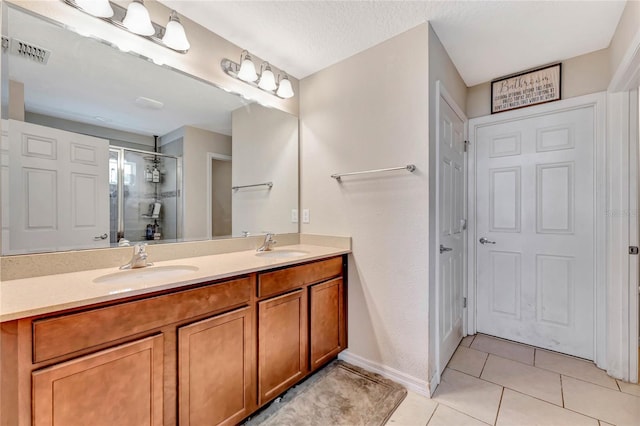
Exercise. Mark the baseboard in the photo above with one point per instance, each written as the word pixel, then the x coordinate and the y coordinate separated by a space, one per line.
pixel 411 383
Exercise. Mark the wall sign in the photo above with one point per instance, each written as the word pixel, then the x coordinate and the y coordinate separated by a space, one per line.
pixel 526 89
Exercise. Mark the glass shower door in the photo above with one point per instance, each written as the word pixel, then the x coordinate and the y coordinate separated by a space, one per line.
pixel 146 204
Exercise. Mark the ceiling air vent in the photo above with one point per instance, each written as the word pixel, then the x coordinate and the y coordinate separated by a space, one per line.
pixel 30 51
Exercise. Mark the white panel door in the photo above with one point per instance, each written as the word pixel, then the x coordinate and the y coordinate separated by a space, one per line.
pixel 450 242
pixel 535 227
pixel 58 189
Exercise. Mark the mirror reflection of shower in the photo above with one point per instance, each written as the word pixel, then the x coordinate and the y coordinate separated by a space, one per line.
pixel 144 196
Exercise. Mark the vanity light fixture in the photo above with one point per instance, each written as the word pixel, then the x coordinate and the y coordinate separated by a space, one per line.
pixel 285 90
pixel 266 80
pixel 135 19
pixel 97 8
pixel 247 68
pixel 174 35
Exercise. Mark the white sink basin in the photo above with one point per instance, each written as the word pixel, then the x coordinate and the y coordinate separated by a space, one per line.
pixel 150 272
pixel 282 253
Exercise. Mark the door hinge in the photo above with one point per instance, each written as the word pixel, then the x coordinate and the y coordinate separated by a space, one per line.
pixel 5 43
pixel 633 249
pixel 464 302
pixel 466 145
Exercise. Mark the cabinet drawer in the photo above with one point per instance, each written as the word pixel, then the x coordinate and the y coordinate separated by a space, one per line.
pixel 53 337
pixel 271 283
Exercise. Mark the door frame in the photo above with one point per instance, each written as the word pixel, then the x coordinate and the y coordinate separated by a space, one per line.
pixel 598 102
pixel 212 156
pixel 442 93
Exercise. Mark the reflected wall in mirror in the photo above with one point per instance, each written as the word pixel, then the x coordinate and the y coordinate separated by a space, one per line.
pixel 100 146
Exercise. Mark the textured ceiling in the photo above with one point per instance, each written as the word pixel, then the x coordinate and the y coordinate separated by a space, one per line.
pixel 485 39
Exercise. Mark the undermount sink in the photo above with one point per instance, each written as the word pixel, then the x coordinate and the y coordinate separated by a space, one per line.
pixel 282 253
pixel 150 272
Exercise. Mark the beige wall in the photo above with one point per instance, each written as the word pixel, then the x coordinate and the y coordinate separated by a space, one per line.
pixel 265 149
pixel 16 100
pixel 202 60
pixel 370 111
pixel 581 75
pixel 196 144
pixel 626 33
pixel 441 69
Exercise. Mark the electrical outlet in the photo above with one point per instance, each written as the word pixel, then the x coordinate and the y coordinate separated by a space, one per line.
pixel 294 215
pixel 305 216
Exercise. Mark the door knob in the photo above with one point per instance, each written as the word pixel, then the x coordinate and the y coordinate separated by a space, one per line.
pixel 483 240
pixel 443 249
pixel 101 237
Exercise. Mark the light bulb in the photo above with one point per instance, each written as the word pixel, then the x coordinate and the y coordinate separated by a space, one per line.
pixel 284 88
pixel 267 79
pixel 99 8
pixel 137 19
pixel 247 69
pixel 174 36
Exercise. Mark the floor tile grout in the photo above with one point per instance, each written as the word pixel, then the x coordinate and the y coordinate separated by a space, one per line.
pixel 483 366
pixel 561 376
pixel 499 406
pixel 432 413
pixel 462 412
pixel 603 387
pixel 514 390
pixel 564 408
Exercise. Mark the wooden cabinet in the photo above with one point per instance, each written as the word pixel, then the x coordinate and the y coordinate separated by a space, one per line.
pixel 118 386
pixel 302 330
pixel 215 369
pixel 327 328
pixel 209 354
pixel 282 343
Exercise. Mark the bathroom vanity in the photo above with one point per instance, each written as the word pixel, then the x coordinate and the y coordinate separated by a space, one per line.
pixel 204 351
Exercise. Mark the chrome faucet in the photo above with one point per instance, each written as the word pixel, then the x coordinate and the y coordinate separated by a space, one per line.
pixel 139 258
pixel 269 242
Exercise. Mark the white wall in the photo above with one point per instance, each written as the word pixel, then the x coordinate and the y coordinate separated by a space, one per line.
pixel 371 111
pixel 441 69
pixel 265 149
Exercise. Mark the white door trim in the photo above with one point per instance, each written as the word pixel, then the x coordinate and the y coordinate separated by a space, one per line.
pixel 623 140
pixel 634 232
pixel 441 92
pixel 212 156
pixel 622 294
pixel 598 102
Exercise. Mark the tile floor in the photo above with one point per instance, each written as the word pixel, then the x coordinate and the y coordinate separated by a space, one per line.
pixel 497 382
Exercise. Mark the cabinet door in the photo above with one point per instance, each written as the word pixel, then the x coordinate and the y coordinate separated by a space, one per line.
pixel 118 386
pixel 282 343
pixel 215 369
pixel 327 321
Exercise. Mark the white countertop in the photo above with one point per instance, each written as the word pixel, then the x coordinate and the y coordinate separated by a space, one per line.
pixel 26 297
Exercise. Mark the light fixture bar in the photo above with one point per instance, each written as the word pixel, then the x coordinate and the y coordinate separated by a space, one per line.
pixel 119 13
pixel 232 69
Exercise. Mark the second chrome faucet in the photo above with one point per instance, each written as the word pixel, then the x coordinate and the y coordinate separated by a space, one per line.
pixel 269 242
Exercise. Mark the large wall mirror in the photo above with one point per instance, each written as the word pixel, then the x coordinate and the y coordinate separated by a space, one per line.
pixel 102 147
